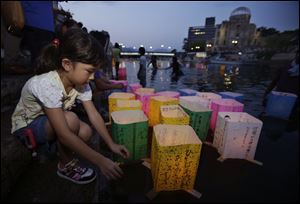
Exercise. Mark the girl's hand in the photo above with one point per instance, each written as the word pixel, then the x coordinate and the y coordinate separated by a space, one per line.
pixel 120 150
pixel 110 169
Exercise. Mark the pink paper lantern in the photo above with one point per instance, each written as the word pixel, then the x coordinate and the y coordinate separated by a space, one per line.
pixel 172 94
pixel 223 105
pixel 133 87
pixel 144 97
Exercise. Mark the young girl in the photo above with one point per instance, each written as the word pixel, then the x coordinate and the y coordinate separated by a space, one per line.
pixel 47 98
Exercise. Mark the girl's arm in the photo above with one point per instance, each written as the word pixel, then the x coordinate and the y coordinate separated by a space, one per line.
pixel 98 123
pixel 65 136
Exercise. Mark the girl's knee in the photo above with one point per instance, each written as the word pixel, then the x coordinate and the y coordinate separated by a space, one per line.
pixel 72 121
pixel 85 132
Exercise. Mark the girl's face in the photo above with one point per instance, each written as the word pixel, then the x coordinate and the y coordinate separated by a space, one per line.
pixel 79 73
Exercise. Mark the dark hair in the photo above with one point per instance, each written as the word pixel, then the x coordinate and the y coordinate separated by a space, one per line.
pixel 117 45
pixel 142 50
pixel 69 23
pixel 76 45
pixel 102 37
pixel 80 25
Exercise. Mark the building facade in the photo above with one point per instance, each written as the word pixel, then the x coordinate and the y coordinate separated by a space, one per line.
pixel 237 34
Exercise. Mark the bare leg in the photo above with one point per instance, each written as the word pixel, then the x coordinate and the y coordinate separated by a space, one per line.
pixel 77 127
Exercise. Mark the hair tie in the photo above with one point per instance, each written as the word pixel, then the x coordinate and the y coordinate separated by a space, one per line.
pixel 55 42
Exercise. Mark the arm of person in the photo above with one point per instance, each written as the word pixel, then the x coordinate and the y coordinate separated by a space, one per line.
pixel 98 123
pixel 102 84
pixel 57 120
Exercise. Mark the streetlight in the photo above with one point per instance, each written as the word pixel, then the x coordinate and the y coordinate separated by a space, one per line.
pixel 169 47
pixel 162 46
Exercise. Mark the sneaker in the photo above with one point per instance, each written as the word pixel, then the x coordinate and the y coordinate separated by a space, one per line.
pixel 75 173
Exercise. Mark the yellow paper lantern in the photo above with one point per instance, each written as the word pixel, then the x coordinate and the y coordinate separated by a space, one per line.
pixel 128 105
pixel 175 154
pixel 155 103
pixel 174 114
pixel 112 100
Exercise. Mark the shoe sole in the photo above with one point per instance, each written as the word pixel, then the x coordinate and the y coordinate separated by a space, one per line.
pixel 74 181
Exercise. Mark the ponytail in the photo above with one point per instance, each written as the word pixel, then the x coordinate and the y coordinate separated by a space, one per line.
pixel 75 45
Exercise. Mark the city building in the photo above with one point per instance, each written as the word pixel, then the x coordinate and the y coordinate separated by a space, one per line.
pixel 237 34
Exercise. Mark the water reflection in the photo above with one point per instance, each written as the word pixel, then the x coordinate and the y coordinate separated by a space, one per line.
pixel 248 80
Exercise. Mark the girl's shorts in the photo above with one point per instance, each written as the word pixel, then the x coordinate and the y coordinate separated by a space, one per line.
pixel 39 131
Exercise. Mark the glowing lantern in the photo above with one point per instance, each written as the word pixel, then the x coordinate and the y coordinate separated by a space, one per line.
pixel 175 154
pixel 232 95
pixel 130 128
pixel 145 90
pixel 122 73
pixel 112 100
pixel 187 92
pixel 174 114
pixel 280 104
pixel 155 103
pixel 208 96
pixel 133 87
pixel 199 115
pixel 223 105
pixel 128 105
pixel 144 97
pixel 236 135
pixel 173 94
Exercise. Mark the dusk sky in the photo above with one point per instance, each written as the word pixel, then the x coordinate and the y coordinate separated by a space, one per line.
pixel 153 23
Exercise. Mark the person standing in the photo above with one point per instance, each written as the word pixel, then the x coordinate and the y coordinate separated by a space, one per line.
pixel 116 58
pixel 142 71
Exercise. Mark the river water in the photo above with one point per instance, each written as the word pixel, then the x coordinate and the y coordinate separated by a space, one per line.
pixel 248 80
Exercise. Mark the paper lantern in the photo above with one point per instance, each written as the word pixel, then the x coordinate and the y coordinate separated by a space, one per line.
pixel 223 105
pixel 174 115
pixel 280 104
pixel 128 105
pixel 122 73
pixel 144 97
pixel 175 154
pixel 130 128
pixel 154 110
pixel 187 92
pixel 236 135
pixel 232 95
pixel 173 94
pixel 133 87
pixel 145 90
pixel 112 100
pixel 199 115
pixel 208 96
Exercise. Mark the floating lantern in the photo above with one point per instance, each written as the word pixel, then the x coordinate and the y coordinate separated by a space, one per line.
pixel 144 97
pixel 130 128
pixel 112 100
pixel 174 114
pixel 173 94
pixel 223 105
pixel 128 105
pixel 133 87
pixel 236 135
pixel 187 92
pixel 122 73
pixel 199 115
pixel 175 154
pixel 208 96
pixel 232 95
pixel 280 104
pixel 154 110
